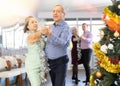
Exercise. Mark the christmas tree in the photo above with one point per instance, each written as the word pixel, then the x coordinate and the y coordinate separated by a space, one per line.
pixel 107 50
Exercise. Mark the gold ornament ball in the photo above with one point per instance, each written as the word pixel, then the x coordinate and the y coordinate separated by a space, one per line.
pixel 116 34
pixel 98 74
pixel 119 62
pixel 119 6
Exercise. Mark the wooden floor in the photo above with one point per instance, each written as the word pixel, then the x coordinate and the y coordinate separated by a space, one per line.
pixel 69 81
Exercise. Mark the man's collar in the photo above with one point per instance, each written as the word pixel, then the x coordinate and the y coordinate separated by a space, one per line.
pixel 61 23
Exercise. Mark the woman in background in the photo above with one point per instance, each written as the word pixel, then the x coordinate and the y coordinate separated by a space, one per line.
pixel 35 63
pixel 74 54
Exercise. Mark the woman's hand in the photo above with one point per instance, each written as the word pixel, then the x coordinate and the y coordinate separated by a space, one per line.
pixel 46 31
pixel 80 37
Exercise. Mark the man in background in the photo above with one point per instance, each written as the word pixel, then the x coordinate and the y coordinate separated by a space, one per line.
pixel 86 50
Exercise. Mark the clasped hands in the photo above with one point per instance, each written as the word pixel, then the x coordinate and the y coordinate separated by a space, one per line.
pixel 46 31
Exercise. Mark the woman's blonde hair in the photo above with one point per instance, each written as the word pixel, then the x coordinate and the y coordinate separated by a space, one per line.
pixel 26 23
pixel 73 28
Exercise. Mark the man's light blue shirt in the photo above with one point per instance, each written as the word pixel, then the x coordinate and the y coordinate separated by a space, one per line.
pixel 57 43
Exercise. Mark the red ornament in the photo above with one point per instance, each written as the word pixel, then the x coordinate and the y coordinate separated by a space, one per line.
pixel 114 60
pixel 98 62
pixel 110 59
pixel 107 38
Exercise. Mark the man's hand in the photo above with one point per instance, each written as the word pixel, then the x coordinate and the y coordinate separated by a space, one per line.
pixel 46 31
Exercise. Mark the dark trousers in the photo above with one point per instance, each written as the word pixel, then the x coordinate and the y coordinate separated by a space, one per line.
pixel 85 59
pixel 58 69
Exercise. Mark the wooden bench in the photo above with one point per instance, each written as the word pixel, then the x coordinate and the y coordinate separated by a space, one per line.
pixel 13 72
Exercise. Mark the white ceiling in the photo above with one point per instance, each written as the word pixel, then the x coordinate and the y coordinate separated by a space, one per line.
pixel 14 11
pixel 74 5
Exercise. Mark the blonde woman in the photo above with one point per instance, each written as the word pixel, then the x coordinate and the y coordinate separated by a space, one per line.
pixel 74 54
pixel 35 64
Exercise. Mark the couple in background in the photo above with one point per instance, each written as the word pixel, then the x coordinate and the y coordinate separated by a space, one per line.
pixel 55 49
pixel 85 44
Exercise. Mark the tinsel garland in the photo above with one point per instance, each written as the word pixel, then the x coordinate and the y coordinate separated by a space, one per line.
pixel 92 80
pixel 112 15
pixel 105 63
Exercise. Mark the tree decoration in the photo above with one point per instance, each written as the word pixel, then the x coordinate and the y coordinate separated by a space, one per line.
pixel 107 50
pixel 101 34
pixel 98 62
pixel 111 16
pixel 116 34
pixel 119 6
pixel 98 74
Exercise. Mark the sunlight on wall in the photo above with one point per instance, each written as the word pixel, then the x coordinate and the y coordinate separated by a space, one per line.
pixel 11 11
